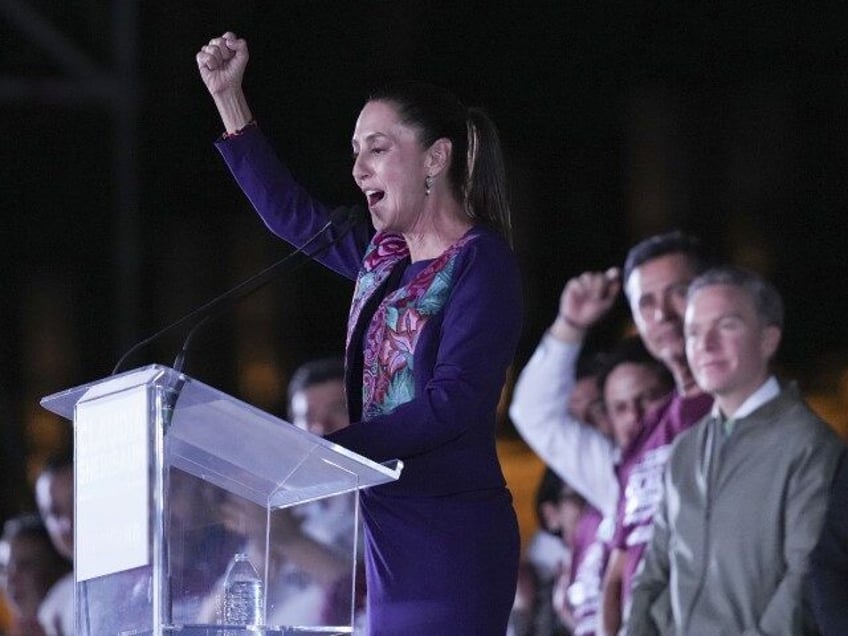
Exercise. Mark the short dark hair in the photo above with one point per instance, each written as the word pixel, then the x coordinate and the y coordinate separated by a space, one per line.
pixel 632 350
pixel 589 364
pixel 62 460
pixel 673 242
pixel 315 372
pixel 553 489
pixel 31 526
pixel 767 300
pixel 27 524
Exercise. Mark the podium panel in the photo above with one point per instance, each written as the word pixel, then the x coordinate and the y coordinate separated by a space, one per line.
pixel 173 478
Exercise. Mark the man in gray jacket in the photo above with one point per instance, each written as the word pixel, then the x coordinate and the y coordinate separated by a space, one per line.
pixel 745 490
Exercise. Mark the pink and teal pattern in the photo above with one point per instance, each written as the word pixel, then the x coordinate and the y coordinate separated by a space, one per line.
pixel 398 322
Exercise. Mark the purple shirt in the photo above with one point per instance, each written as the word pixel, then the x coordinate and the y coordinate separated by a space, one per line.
pixel 589 558
pixel 640 474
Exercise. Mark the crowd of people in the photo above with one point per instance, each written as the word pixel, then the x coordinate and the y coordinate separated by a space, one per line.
pixel 689 490
pixel 681 508
pixel 311 545
pixel 722 490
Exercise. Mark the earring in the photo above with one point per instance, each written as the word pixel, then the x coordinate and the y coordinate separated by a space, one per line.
pixel 428 183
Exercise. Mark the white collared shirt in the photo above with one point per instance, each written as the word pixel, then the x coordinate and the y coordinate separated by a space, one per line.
pixel 768 390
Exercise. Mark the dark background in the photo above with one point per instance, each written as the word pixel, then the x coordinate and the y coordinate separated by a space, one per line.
pixel 618 120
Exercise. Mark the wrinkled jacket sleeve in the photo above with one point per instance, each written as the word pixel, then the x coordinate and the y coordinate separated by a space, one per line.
pixel 576 451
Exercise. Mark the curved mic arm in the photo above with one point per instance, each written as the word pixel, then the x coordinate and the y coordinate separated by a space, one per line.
pixel 343 218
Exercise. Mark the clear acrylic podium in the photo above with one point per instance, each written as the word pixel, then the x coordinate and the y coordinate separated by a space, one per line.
pixel 158 457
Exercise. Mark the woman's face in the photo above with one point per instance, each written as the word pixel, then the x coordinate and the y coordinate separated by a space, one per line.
pixel 389 167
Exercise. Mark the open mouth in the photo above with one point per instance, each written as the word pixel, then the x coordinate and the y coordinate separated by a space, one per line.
pixel 374 197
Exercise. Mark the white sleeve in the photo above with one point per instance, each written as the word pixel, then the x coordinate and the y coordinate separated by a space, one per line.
pixel 579 453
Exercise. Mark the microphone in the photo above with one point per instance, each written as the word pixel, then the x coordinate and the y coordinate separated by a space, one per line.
pixel 342 220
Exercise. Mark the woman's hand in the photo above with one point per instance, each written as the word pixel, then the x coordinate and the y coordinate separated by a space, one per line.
pixel 222 63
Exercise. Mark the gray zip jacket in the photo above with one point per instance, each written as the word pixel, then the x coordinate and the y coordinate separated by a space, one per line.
pixel 736 525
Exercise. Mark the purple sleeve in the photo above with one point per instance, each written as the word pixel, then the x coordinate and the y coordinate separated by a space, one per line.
pixel 284 206
pixel 461 362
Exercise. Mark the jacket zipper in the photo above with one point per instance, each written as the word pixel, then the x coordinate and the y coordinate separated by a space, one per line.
pixel 708 501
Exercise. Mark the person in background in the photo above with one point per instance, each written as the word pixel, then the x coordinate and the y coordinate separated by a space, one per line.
pixel 434 324
pixel 631 381
pixel 54 494
pixel 657 273
pixel 586 399
pixel 200 547
pixel 31 565
pixel 542 404
pixel 584 445
pixel 829 563
pixel 546 557
pixel 745 491
pixel 316 403
pixel 310 568
pixel 577 591
pixel 316 397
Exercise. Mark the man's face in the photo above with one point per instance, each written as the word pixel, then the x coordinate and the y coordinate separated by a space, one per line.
pixel 727 344
pixel 585 404
pixel 656 291
pixel 630 391
pixel 563 515
pixel 54 494
pixel 30 571
pixel 320 408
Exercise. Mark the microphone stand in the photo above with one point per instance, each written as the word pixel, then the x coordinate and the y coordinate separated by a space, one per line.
pixel 344 218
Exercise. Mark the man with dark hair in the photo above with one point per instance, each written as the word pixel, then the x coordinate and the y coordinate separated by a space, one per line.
pixel 317 398
pixel 674 242
pixel 30 565
pixel 310 543
pixel 745 491
pixel 657 273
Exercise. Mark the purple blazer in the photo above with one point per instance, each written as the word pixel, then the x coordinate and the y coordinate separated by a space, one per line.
pixel 442 542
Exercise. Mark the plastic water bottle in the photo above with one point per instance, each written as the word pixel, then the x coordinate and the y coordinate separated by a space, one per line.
pixel 243 598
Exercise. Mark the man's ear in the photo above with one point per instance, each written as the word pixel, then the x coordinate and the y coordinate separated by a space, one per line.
pixel 771 341
pixel 439 156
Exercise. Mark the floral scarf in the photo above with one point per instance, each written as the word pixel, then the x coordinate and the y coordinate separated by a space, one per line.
pixel 391 336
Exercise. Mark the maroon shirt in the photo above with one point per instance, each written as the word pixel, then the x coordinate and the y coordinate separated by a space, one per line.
pixel 640 477
pixel 589 559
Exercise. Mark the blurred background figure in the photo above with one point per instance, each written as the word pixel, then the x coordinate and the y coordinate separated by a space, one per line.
pixel 309 580
pixel 31 565
pixel 829 561
pixel 317 397
pixel 577 590
pixel 200 545
pixel 54 494
pixel 545 558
